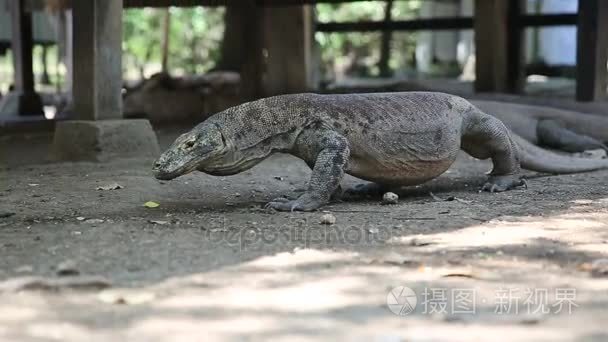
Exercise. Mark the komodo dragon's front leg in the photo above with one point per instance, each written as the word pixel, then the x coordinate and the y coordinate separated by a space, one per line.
pixel 484 137
pixel 326 152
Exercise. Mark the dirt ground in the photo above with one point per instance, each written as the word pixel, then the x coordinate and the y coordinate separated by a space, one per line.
pixel 211 264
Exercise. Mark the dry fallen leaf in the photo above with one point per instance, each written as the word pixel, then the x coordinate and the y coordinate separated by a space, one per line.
pixel 151 204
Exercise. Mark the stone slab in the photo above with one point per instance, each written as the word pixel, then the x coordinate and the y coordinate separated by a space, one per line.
pixel 104 140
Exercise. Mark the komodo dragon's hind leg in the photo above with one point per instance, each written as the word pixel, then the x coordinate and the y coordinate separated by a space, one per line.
pixel 486 137
pixel 552 134
pixel 327 153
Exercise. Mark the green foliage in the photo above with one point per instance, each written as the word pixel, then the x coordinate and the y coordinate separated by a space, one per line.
pixel 195 35
pixel 357 54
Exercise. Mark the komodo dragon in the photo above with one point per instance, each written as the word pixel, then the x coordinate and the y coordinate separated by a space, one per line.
pixel 391 139
pixel 550 127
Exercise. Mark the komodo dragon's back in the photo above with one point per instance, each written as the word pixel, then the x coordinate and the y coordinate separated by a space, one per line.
pixel 362 118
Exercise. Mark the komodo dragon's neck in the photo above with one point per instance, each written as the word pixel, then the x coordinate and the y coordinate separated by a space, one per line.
pixel 253 131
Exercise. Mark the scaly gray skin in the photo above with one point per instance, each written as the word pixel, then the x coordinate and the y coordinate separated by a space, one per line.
pixel 550 127
pixel 391 139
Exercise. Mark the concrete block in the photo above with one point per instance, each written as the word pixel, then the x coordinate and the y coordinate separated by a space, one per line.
pixel 103 140
pixel 16 104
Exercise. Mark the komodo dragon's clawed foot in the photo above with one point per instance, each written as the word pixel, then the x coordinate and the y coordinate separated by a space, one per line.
pixel 504 183
pixel 306 202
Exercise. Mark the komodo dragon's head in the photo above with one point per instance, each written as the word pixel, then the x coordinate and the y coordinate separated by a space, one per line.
pixel 197 149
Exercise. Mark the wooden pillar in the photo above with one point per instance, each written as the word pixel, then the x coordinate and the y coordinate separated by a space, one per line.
pixel 499 46
pixel 97 59
pixel 242 45
pixel 288 43
pixel 22 42
pixel 100 133
pixel 592 50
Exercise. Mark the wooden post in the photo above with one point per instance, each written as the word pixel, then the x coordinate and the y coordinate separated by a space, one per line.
pixel 592 50
pixel 498 46
pixel 97 59
pixel 242 45
pixel 22 42
pixel 97 89
pixel 288 42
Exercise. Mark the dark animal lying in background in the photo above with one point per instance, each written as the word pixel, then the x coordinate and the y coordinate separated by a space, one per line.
pixel 163 98
pixel 558 129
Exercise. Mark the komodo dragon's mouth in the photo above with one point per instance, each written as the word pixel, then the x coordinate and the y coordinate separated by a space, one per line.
pixel 161 174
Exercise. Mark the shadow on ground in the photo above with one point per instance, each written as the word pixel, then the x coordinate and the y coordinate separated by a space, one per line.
pixel 210 263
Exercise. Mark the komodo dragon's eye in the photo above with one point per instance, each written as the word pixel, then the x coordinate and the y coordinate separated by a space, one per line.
pixel 189 144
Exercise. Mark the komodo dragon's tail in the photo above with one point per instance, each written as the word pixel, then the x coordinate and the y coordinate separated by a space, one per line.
pixel 538 159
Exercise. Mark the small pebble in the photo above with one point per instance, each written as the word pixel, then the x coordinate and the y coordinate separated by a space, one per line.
pixel 328 219
pixel 390 198
pixel 67 268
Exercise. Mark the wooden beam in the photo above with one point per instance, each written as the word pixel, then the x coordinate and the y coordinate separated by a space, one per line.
pixel 97 59
pixel 398 25
pixel 592 50
pixel 499 49
pixel 265 3
pixel 39 4
pixel 174 3
pixel 557 19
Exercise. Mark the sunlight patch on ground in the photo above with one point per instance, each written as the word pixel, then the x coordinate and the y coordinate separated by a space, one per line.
pixel 301 257
pixel 571 228
pixel 276 283
pixel 15 313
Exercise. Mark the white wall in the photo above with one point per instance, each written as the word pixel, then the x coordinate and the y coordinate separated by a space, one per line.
pixel 558 44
